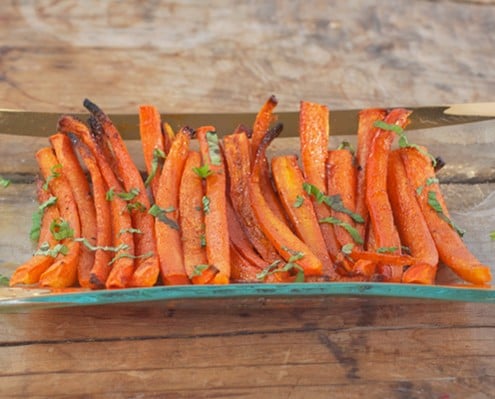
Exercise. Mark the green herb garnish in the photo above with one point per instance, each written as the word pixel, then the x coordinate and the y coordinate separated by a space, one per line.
pixel 206 204
pixel 126 255
pixel 435 205
pixel 109 196
pixel 157 160
pixel 161 215
pixel 333 201
pixel 45 250
pixel 61 229
pixel 213 148
pixel 54 174
pixel 347 248
pixel 203 171
pixel 350 229
pixel 133 193
pixel 198 270
pixel 345 145
pixel 91 247
pixel 135 206
pixel 37 217
pixel 130 230
pixel 388 126
pixel 4 182
pixel 385 250
pixel 299 201
pixel 202 239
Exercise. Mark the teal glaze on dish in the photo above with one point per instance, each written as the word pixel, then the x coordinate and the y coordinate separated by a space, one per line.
pixel 295 290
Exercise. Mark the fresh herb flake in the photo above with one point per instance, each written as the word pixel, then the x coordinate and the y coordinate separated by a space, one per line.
pixel 157 160
pixel 4 182
pixel 206 204
pixel 45 250
pixel 61 229
pixel 299 201
pixel 87 244
pixel 203 171
pixel 347 248
pixel 130 230
pixel 388 126
pixel 202 240
pixel 198 270
pixel 161 215
pixel 419 190
pixel 4 281
pixel 213 148
pixel 127 255
pixel 385 250
pixel 37 218
pixel 135 206
pixel 269 270
pixel 345 145
pixel 350 229
pixel 54 174
pixel 133 193
pixel 109 196
pixel 431 180
pixel 435 205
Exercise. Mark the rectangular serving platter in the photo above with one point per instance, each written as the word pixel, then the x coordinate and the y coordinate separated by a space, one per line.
pixel 467 180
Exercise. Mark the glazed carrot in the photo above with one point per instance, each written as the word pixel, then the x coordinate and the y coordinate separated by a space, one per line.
pixel 122 266
pixel 380 258
pixel 420 273
pixel 215 204
pixel 236 150
pixel 314 128
pixel 283 239
pixel 63 272
pixel 147 264
pixel 85 206
pixel 377 202
pixel 101 268
pixel 241 269
pixel 341 182
pixel 451 249
pixel 30 271
pixel 168 239
pixel 365 135
pixel 298 206
pixel 409 219
pixel 150 130
pixel 168 136
pixel 192 218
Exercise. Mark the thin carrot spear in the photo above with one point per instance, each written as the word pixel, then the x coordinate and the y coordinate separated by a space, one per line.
pixel 377 201
pixel 314 128
pixel 166 210
pixel 63 272
pixel 82 196
pixel 215 204
pixel 101 268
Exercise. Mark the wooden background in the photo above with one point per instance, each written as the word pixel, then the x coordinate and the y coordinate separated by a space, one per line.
pixel 229 56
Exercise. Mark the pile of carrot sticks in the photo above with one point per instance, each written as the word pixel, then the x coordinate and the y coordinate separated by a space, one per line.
pixel 227 214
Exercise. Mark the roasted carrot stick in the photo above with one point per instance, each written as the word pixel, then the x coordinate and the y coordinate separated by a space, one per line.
pixel 236 150
pixel 451 249
pixel 365 135
pixel 147 264
pixel 122 266
pixel 377 202
pixel 63 272
pixel 283 239
pixel 101 268
pixel 298 206
pixel 409 219
pixel 30 271
pixel 150 130
pixel 215 204
pixel 342 181
pixel 168 136
pixel 314 127
pixel 85 206
pixel 192 219
pixel 169 243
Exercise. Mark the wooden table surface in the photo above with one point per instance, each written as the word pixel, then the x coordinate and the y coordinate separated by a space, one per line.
pixel 197 57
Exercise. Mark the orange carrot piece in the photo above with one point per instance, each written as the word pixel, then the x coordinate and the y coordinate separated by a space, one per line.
pixel 237 157
pixel 169 243
pixel 84 201
pixel 63 272
pixel 242 271
pixel 147 264
pixel 101 268
pixel 342 181
pixel 282 238
pixel 420 273
pixel 298 206
pixel 411 224
pixel 314 129
pixel 395 260
pixel 377 201
pixel 365 135
pixel 150 130
pixel 192 218
pixel 451 249
pixel 30 271
pixel 122 266
pixel 168 136
pixel 215 204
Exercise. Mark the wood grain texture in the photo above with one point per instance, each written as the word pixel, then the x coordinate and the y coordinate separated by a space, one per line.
pixel 230 56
